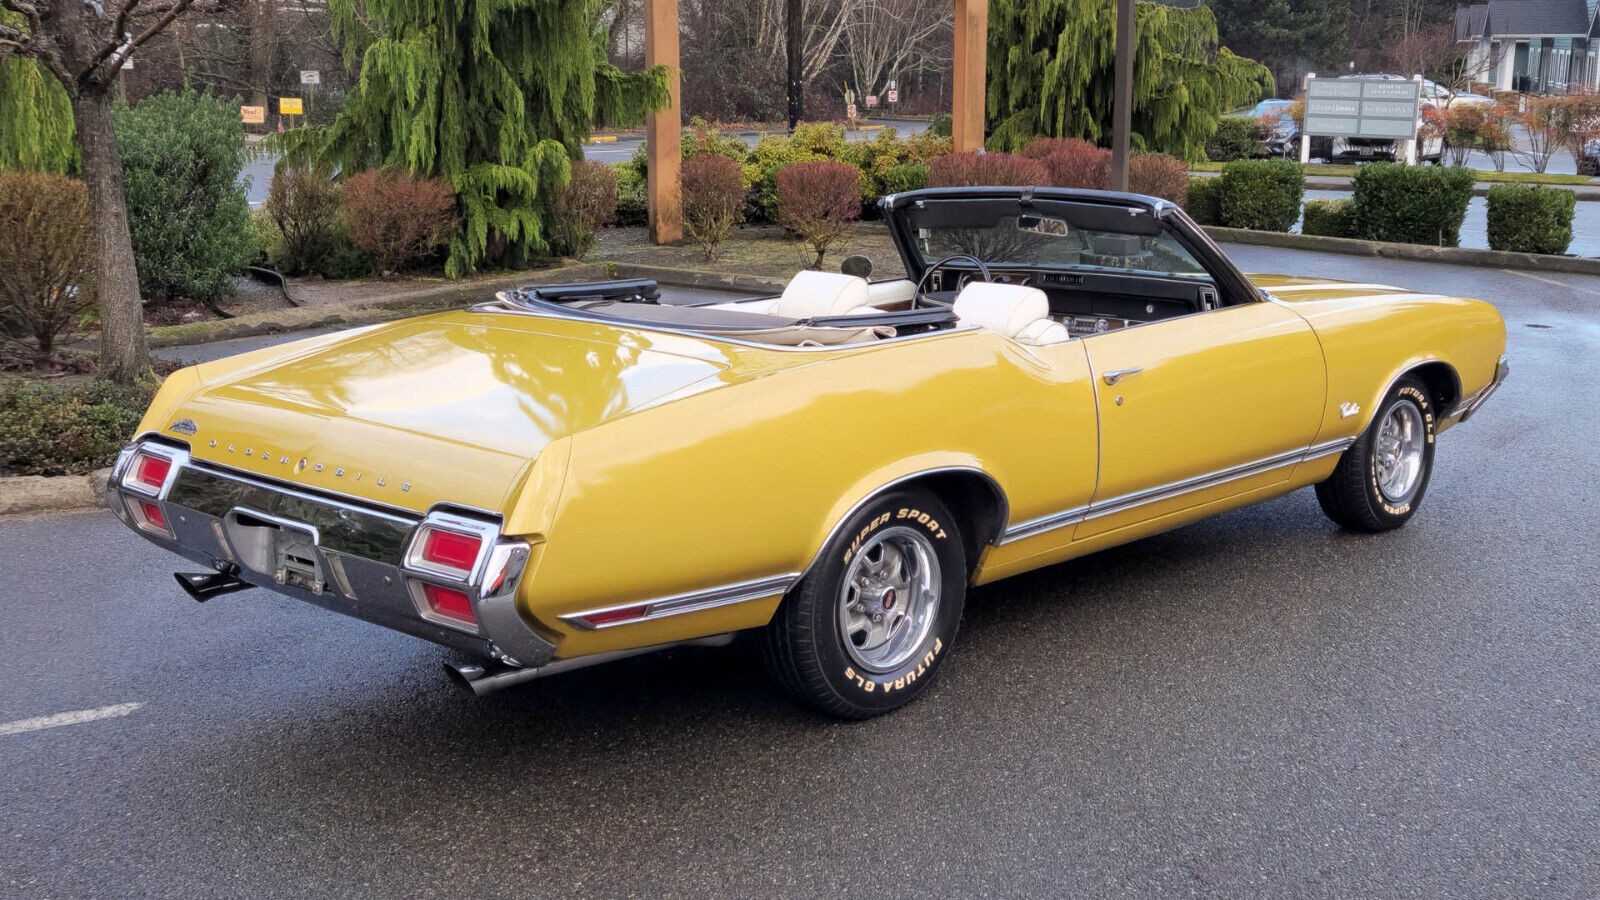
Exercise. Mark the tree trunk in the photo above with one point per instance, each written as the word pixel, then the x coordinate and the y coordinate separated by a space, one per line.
pixel 124 354
pixel 263 49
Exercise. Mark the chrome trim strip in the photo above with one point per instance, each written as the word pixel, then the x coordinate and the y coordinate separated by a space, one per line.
pixel 693 601
pixel 1169 491
pixel 1469 407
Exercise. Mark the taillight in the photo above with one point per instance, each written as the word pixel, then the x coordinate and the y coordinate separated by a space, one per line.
pixel 148 515
pixel 449 603
pixel 147 473
pixel 450 550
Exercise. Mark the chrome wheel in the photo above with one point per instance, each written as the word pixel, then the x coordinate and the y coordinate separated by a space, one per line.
pixel 1397 451
pixel 890 598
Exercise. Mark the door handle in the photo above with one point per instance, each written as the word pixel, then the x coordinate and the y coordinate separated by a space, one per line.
pixel 1116 375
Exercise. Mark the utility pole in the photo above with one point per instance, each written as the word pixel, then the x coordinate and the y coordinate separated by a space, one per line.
pixel 797 90
pixel 1122 105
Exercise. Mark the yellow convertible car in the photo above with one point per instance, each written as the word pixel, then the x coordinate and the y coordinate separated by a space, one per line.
pixel 570 474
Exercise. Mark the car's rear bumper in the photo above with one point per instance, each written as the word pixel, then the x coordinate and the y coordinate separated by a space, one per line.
pixel 353 558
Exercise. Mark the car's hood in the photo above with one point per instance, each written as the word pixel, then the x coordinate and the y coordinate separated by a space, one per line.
pixel 442 408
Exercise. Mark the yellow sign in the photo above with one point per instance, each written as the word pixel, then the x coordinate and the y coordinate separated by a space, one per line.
pixel 289 106
pixel 253 115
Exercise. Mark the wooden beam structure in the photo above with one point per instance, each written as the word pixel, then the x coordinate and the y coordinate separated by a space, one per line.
pixel 967 82
pixel 664 129
pixel 1122 101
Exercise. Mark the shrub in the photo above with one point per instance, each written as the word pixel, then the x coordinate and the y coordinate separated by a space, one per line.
pixel 1079 165
pixel 905 177
pixel 1263 194
pixel 1411 204
pixel 587 202
pixel 1204 201
pixel 1329 218
pixel 819 201
pixel 1041 147
pixel 61 429
pixel 1237 137
pixel 700 139
pixel 1158 175
pixel 1530 219
pixel 815 142
pixel 47 261
pixel 181 158
pixel 396 218
pixel 713 198
pixel 973 168
pixel 304 204
pixel 941 125
pixel 633 198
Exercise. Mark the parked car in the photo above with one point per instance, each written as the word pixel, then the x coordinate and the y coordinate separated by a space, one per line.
pixel 566 475
pixel 1282 134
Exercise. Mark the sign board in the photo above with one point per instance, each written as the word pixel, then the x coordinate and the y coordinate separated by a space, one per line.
pixel 127 63
pixel 253 115
pixel 850 110
pixel 872 101
pixel 289 106
pixel 310 76
pixel 1362 107
pixel 894 96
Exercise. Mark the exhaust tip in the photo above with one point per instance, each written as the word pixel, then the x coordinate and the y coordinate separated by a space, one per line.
pixel 202 586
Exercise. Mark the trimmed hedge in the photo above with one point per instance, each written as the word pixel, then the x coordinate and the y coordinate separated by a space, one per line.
pixel 1329 218
pixel 1204 203
pixel 1530 219
pixel 1411 204
pixel 1237 137
pixel 49 428
pixel 1262 194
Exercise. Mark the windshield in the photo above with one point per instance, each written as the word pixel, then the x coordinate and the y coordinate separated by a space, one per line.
pixel 1026 241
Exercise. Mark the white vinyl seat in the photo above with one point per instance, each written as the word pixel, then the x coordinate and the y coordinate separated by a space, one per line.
pixel 1011 310
pixel 810 294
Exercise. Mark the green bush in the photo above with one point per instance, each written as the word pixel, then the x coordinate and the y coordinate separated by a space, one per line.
pixel 1263 194
pixel 1411 204
pixel 1204 203
pixel 814 142
pixel 1530 219
pixel 905 177
pixel 181 158
pixel 1237 137
pixel 941 125
pixel 633 199
pixel 65 429
pixel 1329 218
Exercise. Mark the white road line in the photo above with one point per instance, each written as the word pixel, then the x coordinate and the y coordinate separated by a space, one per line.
pixel 68 718
pixel 1552 281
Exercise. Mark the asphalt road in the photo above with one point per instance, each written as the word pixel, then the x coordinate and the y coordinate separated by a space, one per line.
pixel 1254 706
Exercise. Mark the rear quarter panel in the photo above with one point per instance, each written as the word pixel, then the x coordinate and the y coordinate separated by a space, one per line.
pixel 747 481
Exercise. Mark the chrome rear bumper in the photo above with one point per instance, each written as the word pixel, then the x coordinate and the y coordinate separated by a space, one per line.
pixel 348 557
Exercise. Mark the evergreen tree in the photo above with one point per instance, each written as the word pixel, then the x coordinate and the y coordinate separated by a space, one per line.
pixel 1051 73
pixel 35 119
pixel 1282 33
pixel 495 95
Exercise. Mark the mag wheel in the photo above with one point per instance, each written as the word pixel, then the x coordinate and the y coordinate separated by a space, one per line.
pixel 1381 479
pixel 864 631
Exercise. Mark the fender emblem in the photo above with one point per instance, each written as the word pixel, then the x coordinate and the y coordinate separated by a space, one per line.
pixel 1348 409
pixel 185 426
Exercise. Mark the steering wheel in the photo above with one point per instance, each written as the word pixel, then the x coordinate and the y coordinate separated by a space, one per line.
pixel 922 283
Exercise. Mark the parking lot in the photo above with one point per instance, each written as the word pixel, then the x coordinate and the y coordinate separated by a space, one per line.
pixel 1257 705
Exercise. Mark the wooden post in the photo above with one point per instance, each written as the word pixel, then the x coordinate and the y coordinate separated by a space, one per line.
pixel 1122 102
pixel 967 83
pixel 664 129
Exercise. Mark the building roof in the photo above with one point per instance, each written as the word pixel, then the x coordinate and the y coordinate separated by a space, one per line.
pixel 1545 18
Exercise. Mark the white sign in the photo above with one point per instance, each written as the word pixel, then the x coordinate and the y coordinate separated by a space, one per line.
pixel 310 76
pixel 1362 107
pixel 127 63
pixel 872 101
pixel 850 110
pixel 894 96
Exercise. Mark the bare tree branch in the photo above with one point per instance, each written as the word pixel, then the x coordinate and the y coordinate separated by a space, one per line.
pixel 111 58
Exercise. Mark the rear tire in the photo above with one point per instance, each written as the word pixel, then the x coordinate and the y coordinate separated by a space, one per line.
pixel 1380 480
pixel 864 632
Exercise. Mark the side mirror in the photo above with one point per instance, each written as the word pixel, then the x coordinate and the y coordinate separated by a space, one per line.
pixel 857 265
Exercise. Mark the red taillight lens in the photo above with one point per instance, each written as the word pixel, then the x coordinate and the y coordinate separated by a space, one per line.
pixel 148 472
pixel 451 550
pixel 449 603
pixel 148 515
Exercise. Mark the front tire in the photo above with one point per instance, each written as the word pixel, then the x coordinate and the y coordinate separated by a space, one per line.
pixel 863 633
pixel 1380 480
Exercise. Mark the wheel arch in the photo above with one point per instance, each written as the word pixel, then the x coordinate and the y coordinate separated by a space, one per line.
pixel 1442 379
pixel 973 495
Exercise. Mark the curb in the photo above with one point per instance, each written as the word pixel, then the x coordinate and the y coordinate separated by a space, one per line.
pixel 602 139
pixel 362 312
pixel 1495 259
pixel 40 493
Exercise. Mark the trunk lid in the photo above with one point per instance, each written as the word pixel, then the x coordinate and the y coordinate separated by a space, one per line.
pixel 448 408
